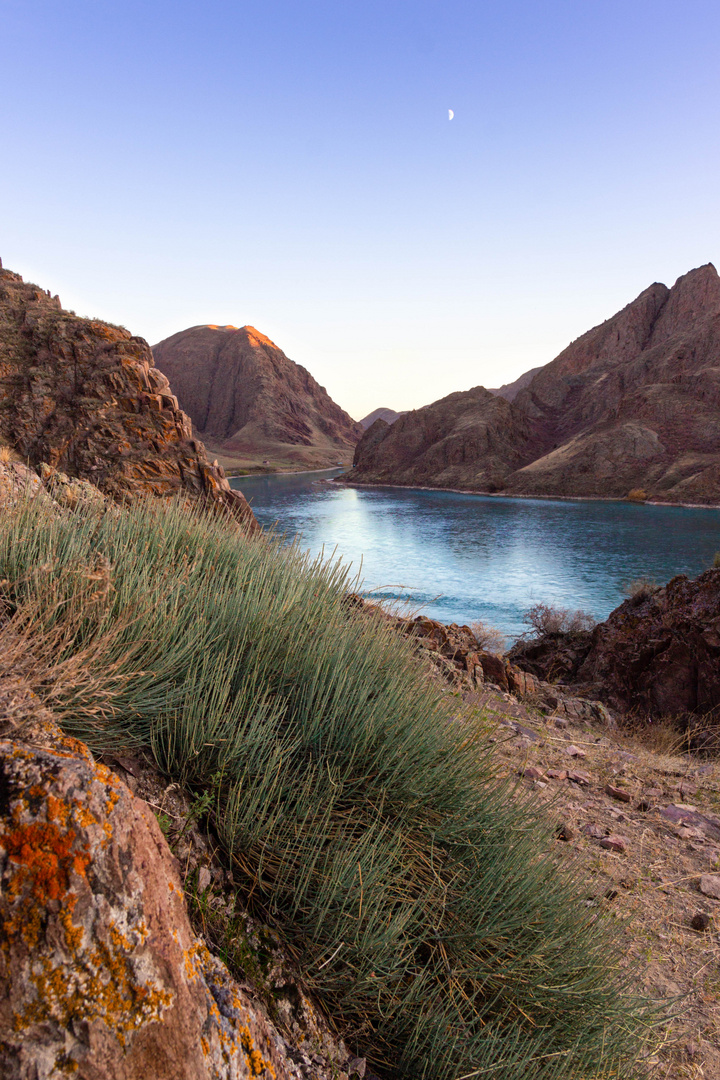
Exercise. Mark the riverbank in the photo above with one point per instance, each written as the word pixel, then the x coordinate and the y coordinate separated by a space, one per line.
pixel 514 495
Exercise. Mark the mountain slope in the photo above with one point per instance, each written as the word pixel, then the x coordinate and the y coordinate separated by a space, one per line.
pixel 84 397
pixel 245 396
pixel 632 404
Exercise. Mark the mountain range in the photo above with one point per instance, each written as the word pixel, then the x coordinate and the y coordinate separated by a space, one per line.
pixel 632 406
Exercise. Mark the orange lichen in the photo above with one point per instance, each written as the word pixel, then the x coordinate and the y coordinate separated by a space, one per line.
pixel 102 985
pixel 44 857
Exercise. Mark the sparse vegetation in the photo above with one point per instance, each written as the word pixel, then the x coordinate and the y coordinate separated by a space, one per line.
pixel 419 896
pixel 546 619
pixel 716 560
pixel 489 638
pixel 638 495
pixel 640 589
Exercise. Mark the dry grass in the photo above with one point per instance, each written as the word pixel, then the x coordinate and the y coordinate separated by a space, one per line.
pixel 489 638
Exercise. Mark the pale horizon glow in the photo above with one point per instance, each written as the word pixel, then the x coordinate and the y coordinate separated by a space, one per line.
pixel 292 167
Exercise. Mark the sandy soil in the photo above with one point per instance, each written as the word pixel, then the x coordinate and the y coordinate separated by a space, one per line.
pixel 665 809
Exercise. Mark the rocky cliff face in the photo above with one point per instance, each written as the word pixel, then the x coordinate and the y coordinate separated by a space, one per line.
pixel 83 397
pixel 657 655
pixel 632 404
pixel 245 395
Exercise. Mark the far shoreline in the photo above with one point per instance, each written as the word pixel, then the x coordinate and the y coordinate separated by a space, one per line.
pixel 515 495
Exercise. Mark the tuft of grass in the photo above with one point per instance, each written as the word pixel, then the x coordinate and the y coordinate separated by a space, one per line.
pixel 419 893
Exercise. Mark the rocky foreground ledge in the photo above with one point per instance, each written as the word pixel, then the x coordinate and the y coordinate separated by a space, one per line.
pixel 102 974
pixel 635 791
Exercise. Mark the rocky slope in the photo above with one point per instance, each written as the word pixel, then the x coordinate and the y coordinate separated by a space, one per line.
pixel 655 656
pixel 246 398
pixel 82 396
pixel 511 390
pixel 634 404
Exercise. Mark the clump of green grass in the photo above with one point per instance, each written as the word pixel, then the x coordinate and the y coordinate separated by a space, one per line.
pixel 416 889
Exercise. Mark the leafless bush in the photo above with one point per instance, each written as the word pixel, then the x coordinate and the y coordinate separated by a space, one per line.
pixel 716 561
pixel 546 619
pixel 489 638
pixel 640 589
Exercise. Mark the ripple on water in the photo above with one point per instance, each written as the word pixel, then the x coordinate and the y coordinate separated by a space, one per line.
pixel 461 558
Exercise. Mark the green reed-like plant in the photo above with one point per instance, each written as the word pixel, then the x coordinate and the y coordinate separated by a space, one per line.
pixel 419 892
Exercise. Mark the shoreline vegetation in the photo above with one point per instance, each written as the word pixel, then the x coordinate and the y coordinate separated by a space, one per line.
pixel 359 810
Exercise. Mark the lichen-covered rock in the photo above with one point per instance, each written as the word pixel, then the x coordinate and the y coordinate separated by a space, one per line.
pixel 18 482
pixel 84 397
pixel 101 975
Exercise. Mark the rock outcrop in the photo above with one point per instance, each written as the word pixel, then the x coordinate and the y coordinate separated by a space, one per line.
pixel 83 397
pixel 456 657
pixel 633 405
pixel 101 973
pixel 245 396
pixel 657 655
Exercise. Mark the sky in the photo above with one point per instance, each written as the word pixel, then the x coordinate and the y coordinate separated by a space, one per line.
pixel 291 165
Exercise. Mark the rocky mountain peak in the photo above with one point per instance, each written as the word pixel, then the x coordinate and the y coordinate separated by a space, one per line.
pixel 633 405
pixel 247 397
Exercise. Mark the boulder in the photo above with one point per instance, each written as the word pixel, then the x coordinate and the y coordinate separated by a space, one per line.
pixel 101 975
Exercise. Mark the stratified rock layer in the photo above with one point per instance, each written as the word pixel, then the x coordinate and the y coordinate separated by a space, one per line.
pixel 633 405
pixel 84 397
pixel 243 393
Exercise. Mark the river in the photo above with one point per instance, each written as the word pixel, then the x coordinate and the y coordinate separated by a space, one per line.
pixel 462 558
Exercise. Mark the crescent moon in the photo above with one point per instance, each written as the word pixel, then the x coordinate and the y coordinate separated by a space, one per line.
pixel 450 114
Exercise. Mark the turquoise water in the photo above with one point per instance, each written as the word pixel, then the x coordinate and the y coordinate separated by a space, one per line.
pixel 460 558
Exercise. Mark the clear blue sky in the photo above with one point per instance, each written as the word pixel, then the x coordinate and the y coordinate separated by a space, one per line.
pixel 291 165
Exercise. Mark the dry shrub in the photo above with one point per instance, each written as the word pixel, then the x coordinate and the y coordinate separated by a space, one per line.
pixel 640 589
pixel 489 638
pixel 716 561
pixel 637 495
pixel 546 619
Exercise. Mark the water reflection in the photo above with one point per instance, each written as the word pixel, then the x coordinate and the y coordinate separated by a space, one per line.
pixel 466 557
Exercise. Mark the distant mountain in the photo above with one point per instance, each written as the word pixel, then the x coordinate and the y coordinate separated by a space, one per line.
pixel 247 399
pixel 632 404
pixel 388 415
pixel 511 390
